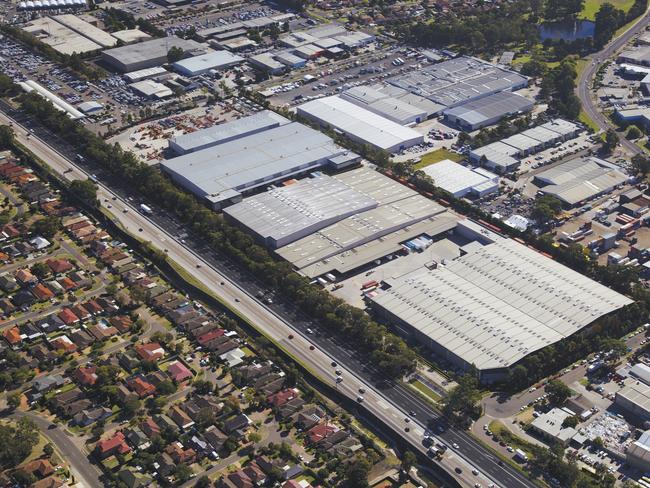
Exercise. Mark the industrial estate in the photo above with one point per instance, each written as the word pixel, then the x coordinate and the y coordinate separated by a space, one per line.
pixel 308 243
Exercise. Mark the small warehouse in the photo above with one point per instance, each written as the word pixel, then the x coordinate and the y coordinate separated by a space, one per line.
pixel 267 63
pixel 148 54
pixel 488 110
pixel 290 60
pixel 151 89
pixel 634 399
pixel 383 104
pixel 461 180
pixel 216 60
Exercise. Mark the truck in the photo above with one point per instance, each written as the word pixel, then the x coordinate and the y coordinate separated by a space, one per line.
pixel 145 209
pixel 521 455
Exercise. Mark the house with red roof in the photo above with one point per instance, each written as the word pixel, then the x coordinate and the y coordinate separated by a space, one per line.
pixel 181 455
pixel 68 316
pixel 121 322
pixel 93 307
pixel 42 292
pixel 280 398
pixel 67 283
pixel 151 351
pixel 25 277
pixel 59 266
pixel 149 427
pixel 63 343
pixel 81 312
pixel 240 479
pixel 12 336
pixel 86 375
pixel 115 445
pixel 297 484
pixel 178 371
pixel 321 432
pixel 141 387
pixel 204 339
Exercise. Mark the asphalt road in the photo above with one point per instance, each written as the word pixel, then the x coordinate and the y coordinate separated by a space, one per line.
pixel 387 400
pixel 586 78
pixel 85 473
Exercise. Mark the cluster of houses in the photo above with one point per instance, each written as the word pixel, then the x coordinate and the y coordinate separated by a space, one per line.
pixel 41 470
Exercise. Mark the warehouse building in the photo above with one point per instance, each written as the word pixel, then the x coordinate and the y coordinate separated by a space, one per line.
pixel 216 60
pixel 488 110
pixel 151 89
pixel 89 31
pixel 148 54
pixel 639 116
pixel 290 60
pixel 231 166
pixel 494 305
pixel 283 215
pixel 383 104
pixel 218 134
pixel 400 214
pixel 634 399
pixel 127 36
pixel 461 180
pixel 60 37
pixel 639 55
pixel 550 426
pixel 359 124
pixel 638 453
pixel 458 81
pixel 580 179
pixel 267 63
pixel 502 156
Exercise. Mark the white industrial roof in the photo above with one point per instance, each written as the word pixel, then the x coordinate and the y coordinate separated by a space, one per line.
pixel 150 88
pixel 561 126
pixel 60 37
pixel 637 394
pixel 145 73
pixel 521 142
pixel 204 62
pixel 383 104
pixel 494 306
pixel 551 424
pixel 642 372
pixel 281 215
pixel 456 178
pixel 87 30
pixel 360 123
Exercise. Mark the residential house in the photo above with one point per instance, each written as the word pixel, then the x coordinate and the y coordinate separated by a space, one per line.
pixel 180 454
pixel 40 468
pixel 24 277
pixel 141 387
pixel 137 438
pixel 101 332
pixel 85 375
pixel 149 427
pixel 68 317
pixel 166 465
pixel 325 435
pixel 47 383
pixel 82 338
pixel 180 417
pixel 12 336
pixel 236 425
pixel 129 360
pixel 73 408
pixel 113 445
pixel 42 292
pixel 215 437
pixel 179 372
pixel 255 474
pixel 8 283
pixel 240 479
pixel 87 417
pixel 59 266
pixel 122 323
pixel 50 324
pixel 151 351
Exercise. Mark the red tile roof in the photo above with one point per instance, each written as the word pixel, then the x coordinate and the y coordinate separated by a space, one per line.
pixel 12 336
pixel 178 371
pixel 86 375
pixel 280 398
pixel 59 265
pixel 141 387
pixel 321 432
pixel 68 316
pixel 209 336
pixel 151 351
pixel 115 445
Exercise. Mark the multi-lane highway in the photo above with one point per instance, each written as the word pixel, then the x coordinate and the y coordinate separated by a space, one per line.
pixel 389 401
pixel 585 80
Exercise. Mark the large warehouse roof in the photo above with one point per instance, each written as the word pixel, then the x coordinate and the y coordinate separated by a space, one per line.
pixel 580 179
pixel 459 80
pixel 497 304
pixel 148 53
pixel 223 173
pixel 397 207
pixel 218 134
pixel 282 215
pixel 60 37
pixel 492 107
pixel 383 104
pixel 360 124
pixel 460 180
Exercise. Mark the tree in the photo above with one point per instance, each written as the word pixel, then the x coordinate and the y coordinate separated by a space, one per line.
pixel 166 387
pixel 633 133
pixel 40 269
pixel 131 407
pixel 356 474
pixel 558 392
pixel 641 164
pixel 46 227
pixel 48 449
pixel 6 137
pixel 546 207
pixel 610 142
pixel 183 473
pixel 461 405
pixel 203 482
pixel 598 442
pixel 571 421
pixel 85 190
pixel 254 437
pixel 13 401
pixel 175 54
pixel 409 459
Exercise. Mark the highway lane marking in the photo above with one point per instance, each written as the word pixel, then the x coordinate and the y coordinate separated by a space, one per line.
pixel 383 404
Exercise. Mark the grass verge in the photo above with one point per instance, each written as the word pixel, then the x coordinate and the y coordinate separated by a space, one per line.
pixel 437 156
pixel 590 7
pixel 426 391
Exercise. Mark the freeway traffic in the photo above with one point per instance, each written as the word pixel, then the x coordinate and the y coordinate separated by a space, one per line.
pixel 586 78
pixel 387 400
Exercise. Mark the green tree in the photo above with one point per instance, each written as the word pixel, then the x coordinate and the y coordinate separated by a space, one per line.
pixel 409 459
pixel 546 207
pixel 356 474
pixel 462 403
pixel 175 54
pixel 6 137
pixel 641 164
pixel 46 227
pixel 610 142
pixel 558 392
pixel 48 449
pixel 85 190
pixel 633 133
pixel 13 401
pixel 571 421
pixel 183 473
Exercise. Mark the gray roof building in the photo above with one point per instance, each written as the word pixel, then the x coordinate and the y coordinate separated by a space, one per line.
pixel 381 103
pixel 495 305
pixel 147 54
pixel 488 110
pixel 221 172
pixel 197 65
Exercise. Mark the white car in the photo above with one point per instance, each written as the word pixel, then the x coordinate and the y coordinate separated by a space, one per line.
pixel 455 446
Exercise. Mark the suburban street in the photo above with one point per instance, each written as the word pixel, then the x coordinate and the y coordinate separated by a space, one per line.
pixel 585 80
pixel 389 401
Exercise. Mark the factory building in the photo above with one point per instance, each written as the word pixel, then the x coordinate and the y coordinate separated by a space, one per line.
pixel 639 55
pixel 267 63
pixel 580 179
pixel 503 156
pixel 459 81
pixel 151 89
pixel 493 305
pixel 230 165
pixel 639 116
pixel 398 215
pixel 360 124
pixel 148 54
pixel 216 60
pixel 634 399
pixel 383 104
pixel 462 181
pixel 68 34
pixel 488 110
